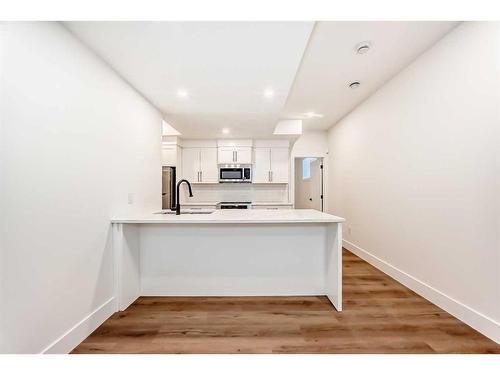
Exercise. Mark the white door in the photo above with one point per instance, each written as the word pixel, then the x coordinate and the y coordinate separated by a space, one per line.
pixel 309 183
pixel 208 165
pixel 226 155
pixel 244 155
pixel 279 165
pixel 191 164
pixel 262 165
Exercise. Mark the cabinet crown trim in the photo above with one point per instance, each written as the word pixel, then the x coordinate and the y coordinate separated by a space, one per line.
pixel 234 143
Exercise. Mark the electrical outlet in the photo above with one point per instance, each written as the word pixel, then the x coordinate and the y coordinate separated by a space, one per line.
pixel 130 198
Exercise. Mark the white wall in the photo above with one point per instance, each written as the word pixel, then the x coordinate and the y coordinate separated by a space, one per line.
pixel 415 170
pixel 76 139
pixel 312 143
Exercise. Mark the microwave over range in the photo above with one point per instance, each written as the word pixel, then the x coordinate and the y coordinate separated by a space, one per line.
pixel 235 173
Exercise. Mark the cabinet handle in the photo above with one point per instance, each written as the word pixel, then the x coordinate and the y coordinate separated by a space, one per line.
pixel 236 156
pixel 271 176
pixel 198 176
pixel 201 176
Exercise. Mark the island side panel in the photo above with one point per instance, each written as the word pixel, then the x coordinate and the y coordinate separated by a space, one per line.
pixel 233 259
pixel 126 247
pixel 333 265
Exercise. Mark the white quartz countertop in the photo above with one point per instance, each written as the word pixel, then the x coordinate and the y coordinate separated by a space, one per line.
pixel 201 204
pixel 233 217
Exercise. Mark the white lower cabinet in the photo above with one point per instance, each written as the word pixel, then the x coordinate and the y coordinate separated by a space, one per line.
pixel 199 165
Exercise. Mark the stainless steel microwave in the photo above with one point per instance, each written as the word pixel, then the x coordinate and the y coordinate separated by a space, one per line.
pixel 235 173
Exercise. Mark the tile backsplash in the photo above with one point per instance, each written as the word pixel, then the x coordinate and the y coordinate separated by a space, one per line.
pixel 238 192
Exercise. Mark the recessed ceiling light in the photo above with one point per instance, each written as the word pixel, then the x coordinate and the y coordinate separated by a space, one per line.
pixel 181 93
pixel 354 85
pixel 225 130
pixel 268 93
pixel 363 48
pixel 313 115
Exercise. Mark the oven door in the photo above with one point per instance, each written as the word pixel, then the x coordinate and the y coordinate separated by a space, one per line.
pixel 230 174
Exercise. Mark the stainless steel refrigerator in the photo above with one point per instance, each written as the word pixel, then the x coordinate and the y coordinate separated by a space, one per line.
pixel 168 188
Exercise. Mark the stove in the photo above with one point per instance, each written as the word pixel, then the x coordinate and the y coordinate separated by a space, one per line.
pixel 234 205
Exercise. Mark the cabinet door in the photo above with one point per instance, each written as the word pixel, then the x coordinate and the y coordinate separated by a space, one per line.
pixel 226 155
pixel 279 165
pixel 262 165
pixel 169 155
pixel 208 162
pixel 244 155
pixel 190 164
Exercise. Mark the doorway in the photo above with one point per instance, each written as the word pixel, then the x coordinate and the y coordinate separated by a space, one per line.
pixel 309 183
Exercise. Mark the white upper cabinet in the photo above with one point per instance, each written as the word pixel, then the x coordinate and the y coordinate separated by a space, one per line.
pixel 209 172
pixel 191 164
pixel 225 155
pixel 170 152
pixel 270 159
pixel 169 155
pixel 199 165
pixel 244 155
pixel 262 167
pixel 279 165
pixel 271 165
pixel 234 151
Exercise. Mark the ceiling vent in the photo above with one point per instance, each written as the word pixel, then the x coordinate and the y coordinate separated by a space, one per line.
pixel 363 48
pixel 354 85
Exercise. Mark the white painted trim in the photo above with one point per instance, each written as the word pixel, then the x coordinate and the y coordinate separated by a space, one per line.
pixel 75 335
pixel 480 322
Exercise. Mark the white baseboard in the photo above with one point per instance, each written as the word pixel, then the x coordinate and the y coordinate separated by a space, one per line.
pixel 468 315
pixel 74 336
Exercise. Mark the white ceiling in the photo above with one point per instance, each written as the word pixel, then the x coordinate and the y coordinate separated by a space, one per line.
pixel 330 63
pixel 226 66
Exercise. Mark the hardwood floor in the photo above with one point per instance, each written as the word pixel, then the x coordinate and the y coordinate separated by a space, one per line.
pixel 380 316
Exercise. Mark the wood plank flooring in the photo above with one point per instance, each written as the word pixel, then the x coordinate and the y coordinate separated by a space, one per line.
pixel 380 316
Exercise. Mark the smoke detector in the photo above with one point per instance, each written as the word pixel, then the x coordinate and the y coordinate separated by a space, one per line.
pixel 363 48
pixel 354 85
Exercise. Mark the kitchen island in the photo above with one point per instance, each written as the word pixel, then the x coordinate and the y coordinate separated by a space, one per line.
pixel 228 253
